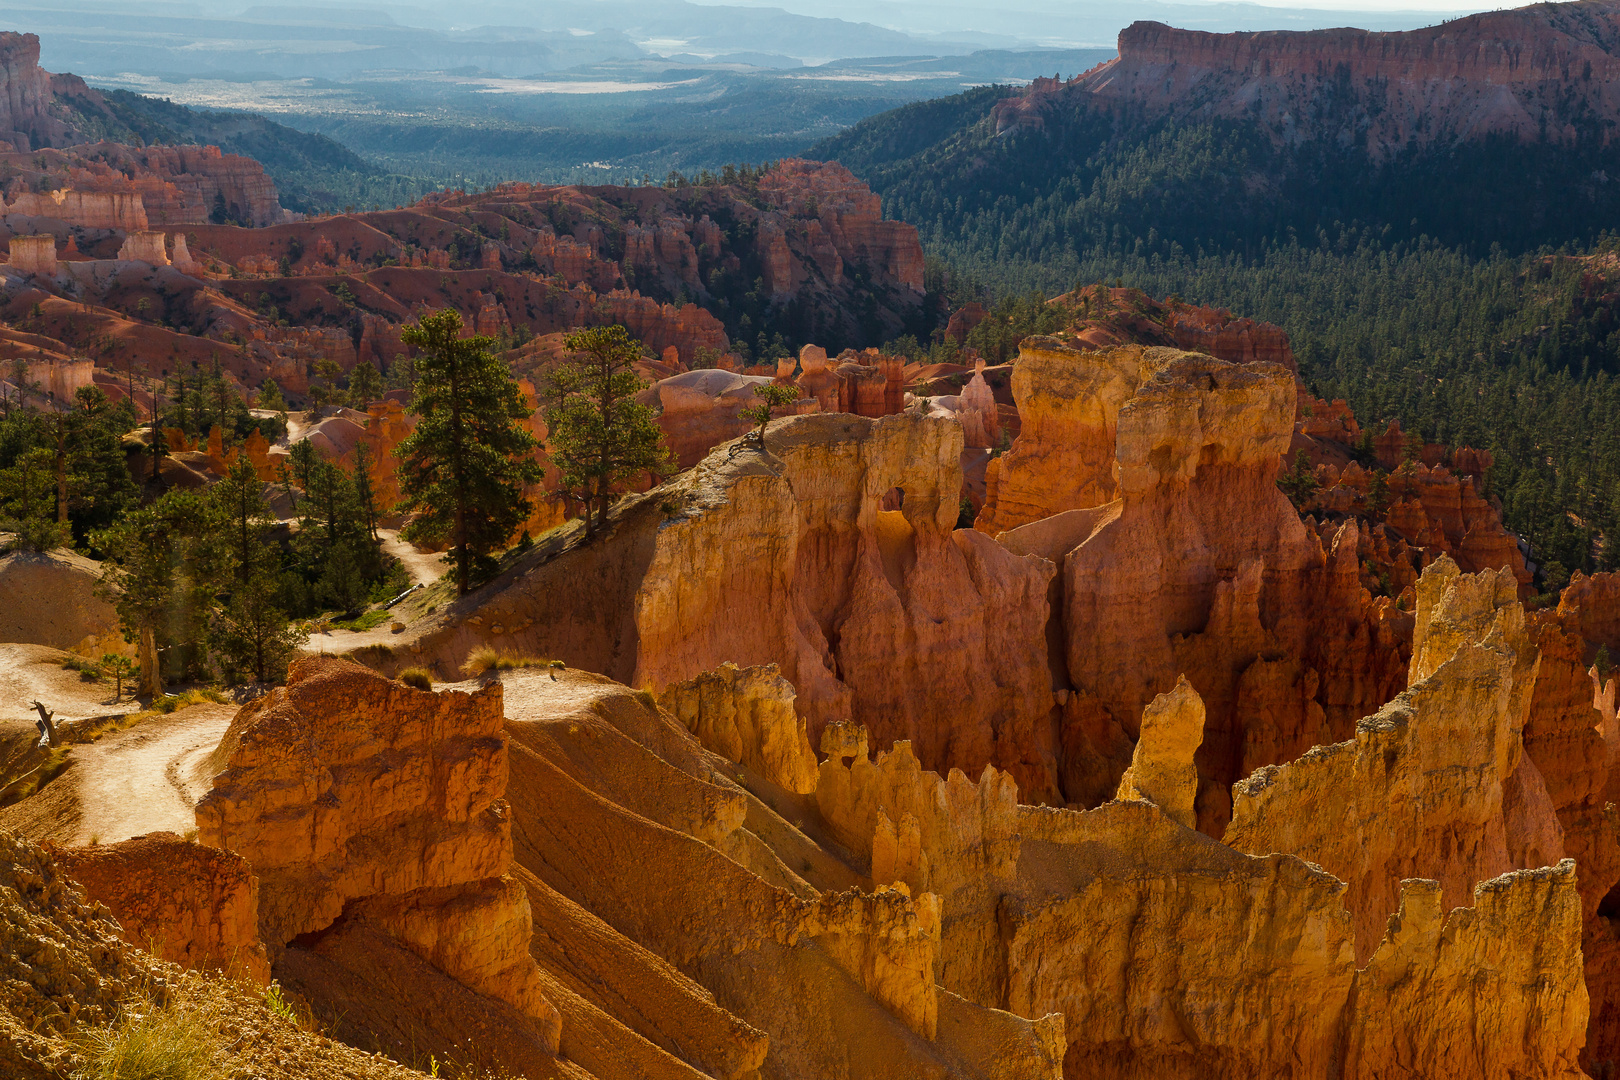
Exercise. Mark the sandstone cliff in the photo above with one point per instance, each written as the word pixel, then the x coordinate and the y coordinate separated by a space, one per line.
pixel 362 804
pixel 892 617
pixel 1171 955
pixel 1420 789
pixel 1530 74
pixel 1201 567
pixel 26 119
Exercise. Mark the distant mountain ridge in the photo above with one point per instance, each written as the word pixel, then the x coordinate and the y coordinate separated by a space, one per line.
pixel 1548 73
pixel 1495 129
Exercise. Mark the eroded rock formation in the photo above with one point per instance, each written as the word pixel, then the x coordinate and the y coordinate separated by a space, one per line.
pixel 362 800
pixel 746 715
pixel 1068 408
pixel 1162 770
pixel 891 617
pixel 1201 567
pixel 197 906
pixel 1419 790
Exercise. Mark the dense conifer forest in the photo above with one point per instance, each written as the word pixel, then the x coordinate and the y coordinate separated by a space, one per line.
pixel 1470 293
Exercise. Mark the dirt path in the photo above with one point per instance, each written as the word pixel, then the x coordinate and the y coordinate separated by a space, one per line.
pixel 146 779
pixel 425 567
pixel 35 672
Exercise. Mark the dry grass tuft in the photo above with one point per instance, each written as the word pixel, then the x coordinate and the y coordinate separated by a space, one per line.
pixel 168 703
pixel 485 658
pixel 417 677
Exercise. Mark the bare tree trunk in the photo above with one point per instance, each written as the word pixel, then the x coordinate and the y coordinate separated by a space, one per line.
pixel 61 470
pixel 151 679
pixel 46 726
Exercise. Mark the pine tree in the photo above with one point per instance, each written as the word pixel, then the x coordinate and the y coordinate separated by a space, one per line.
pixel 1378 492
pixel 1299 482
pixel 254 635
pixel 462 470
pixel 162 572
pixel 600 437
pixel 28 500
pixel 771 396
pixel 241 498
pixel 365 494
pixel 301 461
pixel 365 385
pixel 270 397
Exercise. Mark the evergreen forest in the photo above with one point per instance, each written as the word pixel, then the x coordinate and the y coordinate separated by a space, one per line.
pixel 1470 292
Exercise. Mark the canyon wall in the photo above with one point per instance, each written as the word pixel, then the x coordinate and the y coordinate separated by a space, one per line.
pixel 1202 567
pixel 25 96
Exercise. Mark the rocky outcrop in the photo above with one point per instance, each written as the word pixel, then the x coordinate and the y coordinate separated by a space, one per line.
pixel 63 968
pixel 953 837
pixel 197 906
pixel 845 222
pixel 147 246
pixel 122 210
pixel 1162 770
pixel 358 798
pixel 1528 74
pixel 1068 407
pixel 787 938
pixel 33 254
pixel 1202 568
pixel 25 96
pixel 658 326
pixel 1419 790
pixel 981 423
pixel 746 715
pixel 891 617
pixel 1528 1019
pixel 1268 936
pixel 49 598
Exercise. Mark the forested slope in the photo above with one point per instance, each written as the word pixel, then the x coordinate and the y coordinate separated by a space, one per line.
pixel 1440 287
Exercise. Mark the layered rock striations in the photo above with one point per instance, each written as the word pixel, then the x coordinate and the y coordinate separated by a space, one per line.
pixel 1532 74
pixel 820 971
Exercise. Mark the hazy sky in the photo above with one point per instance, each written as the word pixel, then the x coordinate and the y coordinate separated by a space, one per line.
pixel 981 14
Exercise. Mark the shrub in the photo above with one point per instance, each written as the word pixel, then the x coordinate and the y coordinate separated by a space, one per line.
pixel 479 661
pixel 417 677
pixel 168 703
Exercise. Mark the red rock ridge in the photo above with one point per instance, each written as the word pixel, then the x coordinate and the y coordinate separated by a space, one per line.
pixel 1524 73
